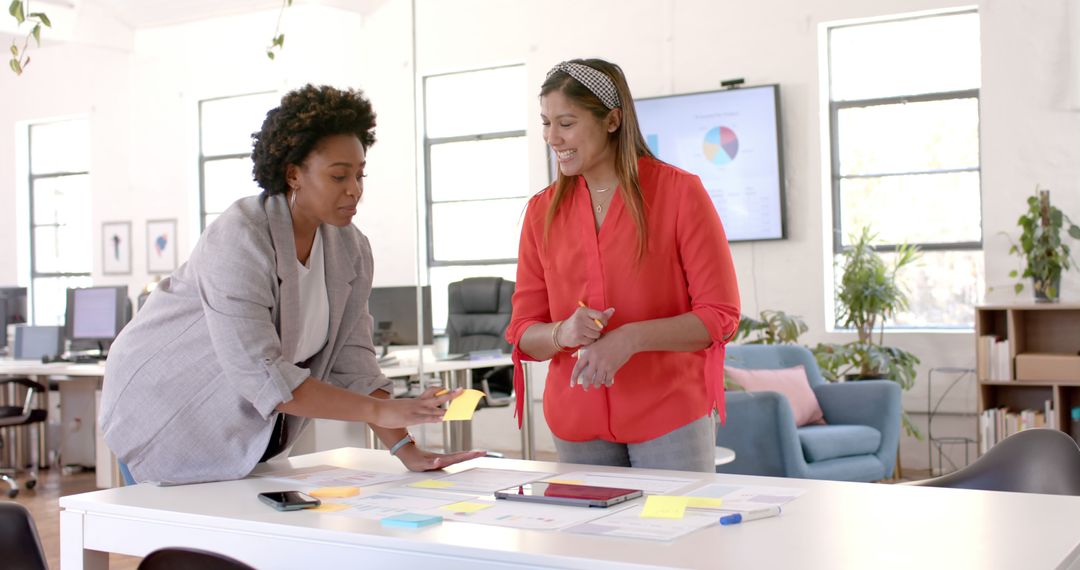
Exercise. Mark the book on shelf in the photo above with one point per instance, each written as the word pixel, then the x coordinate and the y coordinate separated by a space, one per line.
pixel 993 360
pixel 996 424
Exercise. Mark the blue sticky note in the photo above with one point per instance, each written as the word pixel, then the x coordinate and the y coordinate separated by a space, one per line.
pixel 411 520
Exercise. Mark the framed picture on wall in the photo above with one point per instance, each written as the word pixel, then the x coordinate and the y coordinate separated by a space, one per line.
pixel 160 246
pixel 116 248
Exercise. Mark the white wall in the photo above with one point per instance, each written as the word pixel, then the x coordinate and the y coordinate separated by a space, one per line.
pixel 141 101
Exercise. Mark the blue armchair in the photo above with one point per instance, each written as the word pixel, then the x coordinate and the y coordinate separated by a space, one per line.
pixel 858 442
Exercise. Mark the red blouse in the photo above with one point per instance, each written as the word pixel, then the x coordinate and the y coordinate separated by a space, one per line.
pixel 687 268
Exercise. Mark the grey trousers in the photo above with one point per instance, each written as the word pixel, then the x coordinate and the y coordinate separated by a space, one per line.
pixel 689 448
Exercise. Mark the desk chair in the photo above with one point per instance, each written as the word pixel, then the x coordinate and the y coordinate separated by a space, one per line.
pixel 1032 461
pixel 20 417
pixel 20 546
pixel 479 315
pixel 189 559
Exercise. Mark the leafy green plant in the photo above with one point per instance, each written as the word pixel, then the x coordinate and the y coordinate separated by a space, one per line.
pixel 278 41
pixel 20 10
pixel 870 294
pixel 774 327
pixel 1045 255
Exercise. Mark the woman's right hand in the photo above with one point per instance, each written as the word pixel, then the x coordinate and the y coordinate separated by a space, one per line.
pixel 580 328
pixel 405 412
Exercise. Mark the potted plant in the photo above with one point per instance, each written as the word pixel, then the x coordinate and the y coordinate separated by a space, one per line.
pixel 774 327
pixel 869 294
pixel 1045 254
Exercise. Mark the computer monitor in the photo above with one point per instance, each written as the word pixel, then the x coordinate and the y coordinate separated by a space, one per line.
pixel 395 314
pixel 13 300
pixel 95 316
pixel 37 343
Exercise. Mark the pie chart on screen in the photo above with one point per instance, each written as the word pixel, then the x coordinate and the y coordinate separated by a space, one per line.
pixel 720 145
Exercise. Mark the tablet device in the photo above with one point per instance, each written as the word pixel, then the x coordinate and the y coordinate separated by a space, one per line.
pixel 567 494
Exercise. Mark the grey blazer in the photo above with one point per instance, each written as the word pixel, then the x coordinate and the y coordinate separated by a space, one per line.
pixel 192 382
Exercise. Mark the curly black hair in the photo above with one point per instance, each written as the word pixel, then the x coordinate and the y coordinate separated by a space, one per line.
pixel 306 116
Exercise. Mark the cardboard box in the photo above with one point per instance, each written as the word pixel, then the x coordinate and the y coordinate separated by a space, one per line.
pixel 1040 367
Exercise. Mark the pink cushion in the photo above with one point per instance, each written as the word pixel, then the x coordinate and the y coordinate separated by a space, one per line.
pixel 791 382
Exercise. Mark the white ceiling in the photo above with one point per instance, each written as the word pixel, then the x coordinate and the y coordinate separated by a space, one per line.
pixel 140 14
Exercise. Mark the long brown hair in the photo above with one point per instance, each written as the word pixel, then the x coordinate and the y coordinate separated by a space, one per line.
pixel 629 144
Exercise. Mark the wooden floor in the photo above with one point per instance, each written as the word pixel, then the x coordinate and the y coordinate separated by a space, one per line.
pixel 43 506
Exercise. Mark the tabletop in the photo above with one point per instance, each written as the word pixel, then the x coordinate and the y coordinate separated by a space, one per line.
pixel 832 525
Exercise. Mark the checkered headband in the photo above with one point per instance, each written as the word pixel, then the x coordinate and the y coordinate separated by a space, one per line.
pixel 593 79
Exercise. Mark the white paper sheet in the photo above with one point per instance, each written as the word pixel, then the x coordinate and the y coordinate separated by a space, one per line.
pixel 629 524
pixel 739 498
pixel 516 514
pixel 650 484
pixel 330 476
pixel 384 505
pixel 482 480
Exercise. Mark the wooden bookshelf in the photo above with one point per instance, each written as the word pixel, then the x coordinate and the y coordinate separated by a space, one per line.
pixel 1043 358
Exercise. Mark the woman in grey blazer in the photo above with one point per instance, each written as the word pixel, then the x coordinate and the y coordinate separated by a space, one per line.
pixel 267 323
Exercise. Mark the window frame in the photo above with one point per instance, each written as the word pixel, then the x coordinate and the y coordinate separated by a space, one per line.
pixel 429 203
pixel 836 177
pixel 204 158
pixel 835 106
pixel 32 180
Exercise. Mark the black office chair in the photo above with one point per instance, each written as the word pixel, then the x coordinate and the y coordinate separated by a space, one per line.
pixel 20 417
pixel 479 315
pixel 20 547
pixel 176 558
pixel 1031 461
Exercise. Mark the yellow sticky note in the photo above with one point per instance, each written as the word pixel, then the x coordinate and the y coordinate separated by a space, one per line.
pixel 565 481
pixel 462 407
pixel 467 507
pixel 663 507
pixel 334 492
pixel 432 484
pixel 329 508
pixel 703 502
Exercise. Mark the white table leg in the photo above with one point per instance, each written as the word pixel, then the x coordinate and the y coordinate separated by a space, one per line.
pixel 72 554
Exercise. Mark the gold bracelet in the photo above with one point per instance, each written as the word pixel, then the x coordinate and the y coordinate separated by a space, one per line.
pixel 555 337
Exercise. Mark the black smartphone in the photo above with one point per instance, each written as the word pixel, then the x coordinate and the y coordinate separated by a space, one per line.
pixel 289 500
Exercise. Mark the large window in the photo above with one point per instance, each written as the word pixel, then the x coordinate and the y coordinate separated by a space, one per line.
pixel 225 128
pixel 477 176
pixel 60 237
pixel 904 119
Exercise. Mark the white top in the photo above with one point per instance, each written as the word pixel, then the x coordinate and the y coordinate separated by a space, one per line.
pixel 314 304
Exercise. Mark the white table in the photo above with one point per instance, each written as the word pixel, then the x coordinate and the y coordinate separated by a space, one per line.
pixel 833 525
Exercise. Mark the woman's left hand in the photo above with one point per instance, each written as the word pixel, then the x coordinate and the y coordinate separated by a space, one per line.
pixel 597 364
pixel 417 459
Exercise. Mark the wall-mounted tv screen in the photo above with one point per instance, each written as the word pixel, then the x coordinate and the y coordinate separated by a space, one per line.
pixel 731 140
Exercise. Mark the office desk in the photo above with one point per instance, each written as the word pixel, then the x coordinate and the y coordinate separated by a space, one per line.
pixel 833 525
pixel 457 436
pixel 81 379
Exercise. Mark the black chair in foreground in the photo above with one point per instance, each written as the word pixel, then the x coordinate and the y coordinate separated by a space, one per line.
pixel 20 547
pixel 1032 461
pixel 189 559
pixel 20 417
pixel 479 315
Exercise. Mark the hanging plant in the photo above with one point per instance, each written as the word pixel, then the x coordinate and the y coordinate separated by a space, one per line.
pixel 20 10
pixel 278 41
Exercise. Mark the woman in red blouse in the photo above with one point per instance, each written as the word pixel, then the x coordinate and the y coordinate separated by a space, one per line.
pixel 625 281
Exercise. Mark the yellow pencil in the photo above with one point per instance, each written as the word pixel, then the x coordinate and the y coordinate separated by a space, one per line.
pixel 597 321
